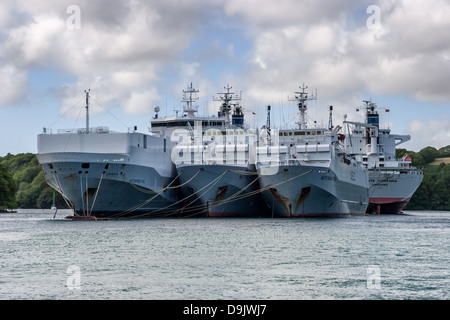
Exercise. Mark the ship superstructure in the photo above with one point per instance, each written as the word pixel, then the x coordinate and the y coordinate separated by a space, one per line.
pixel 216 166
pixel 305 172
pixel 392 181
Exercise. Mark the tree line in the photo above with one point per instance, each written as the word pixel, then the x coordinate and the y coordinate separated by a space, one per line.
pixel 23 185
pixel 434 191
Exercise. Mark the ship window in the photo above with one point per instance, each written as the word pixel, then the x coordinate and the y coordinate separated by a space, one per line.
pixel 285 134
pixel 107 166
pixel 319 132
pixel 313 133
pixel 308 133
pixel 85 165
pixel 50 166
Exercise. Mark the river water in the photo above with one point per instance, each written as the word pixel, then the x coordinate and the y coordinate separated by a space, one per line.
pixel 376 257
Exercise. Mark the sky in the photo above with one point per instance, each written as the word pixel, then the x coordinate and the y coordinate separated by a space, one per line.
pixel 136 55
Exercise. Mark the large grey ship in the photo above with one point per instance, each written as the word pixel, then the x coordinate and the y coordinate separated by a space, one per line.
pixel 103 173
pixel 305 172
pixel 216 167
pixel 392 181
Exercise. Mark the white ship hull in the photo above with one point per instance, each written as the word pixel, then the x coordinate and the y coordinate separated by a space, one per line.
pixel 391 189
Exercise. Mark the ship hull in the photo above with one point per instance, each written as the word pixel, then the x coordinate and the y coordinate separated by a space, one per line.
pixel 310 191
pixel 110 174
pixel 112 192
pixel 391 189
pixel 386 205
pixel 221 191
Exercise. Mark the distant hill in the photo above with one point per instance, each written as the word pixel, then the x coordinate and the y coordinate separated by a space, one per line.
pixel 438 161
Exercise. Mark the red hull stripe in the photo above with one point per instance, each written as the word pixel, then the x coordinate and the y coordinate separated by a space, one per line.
pixel 386 200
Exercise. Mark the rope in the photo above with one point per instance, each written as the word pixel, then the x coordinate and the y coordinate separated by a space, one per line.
pixel 249 194
pixel 82 195
pixel 179 186
pixel 87 196
pixel 187 208
pixel 62 193
pixel 230 199
pixel 146 201
pixel 175 203
pixel 106 109
pixel 96 192
pixel 65 113
pixel 215 181
pixel 69 136
pixel 249 173
pixel 151 191
pixel 137 187
pixel 190 208
pixel 237 195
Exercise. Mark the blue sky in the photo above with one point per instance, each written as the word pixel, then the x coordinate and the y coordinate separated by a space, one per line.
pixel 134 55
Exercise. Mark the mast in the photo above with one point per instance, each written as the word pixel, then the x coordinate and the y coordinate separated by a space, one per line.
pixel 227 97
pixel 373 120
pixel 330 120
pixel 302 98
pixel 87 110
pixel 189 97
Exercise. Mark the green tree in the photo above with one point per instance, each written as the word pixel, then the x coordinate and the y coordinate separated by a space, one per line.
pixel 417 160
pixel 434 191
pixel 8 188
pixel 439 199
pixel 429 154
pixel 31 190
pixel 444 151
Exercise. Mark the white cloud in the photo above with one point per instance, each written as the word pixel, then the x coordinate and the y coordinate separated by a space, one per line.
pixel 142 102
pixel 13 84
pixel 434 133
pixel 123 49
pixel 120 47
pixel 328 46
